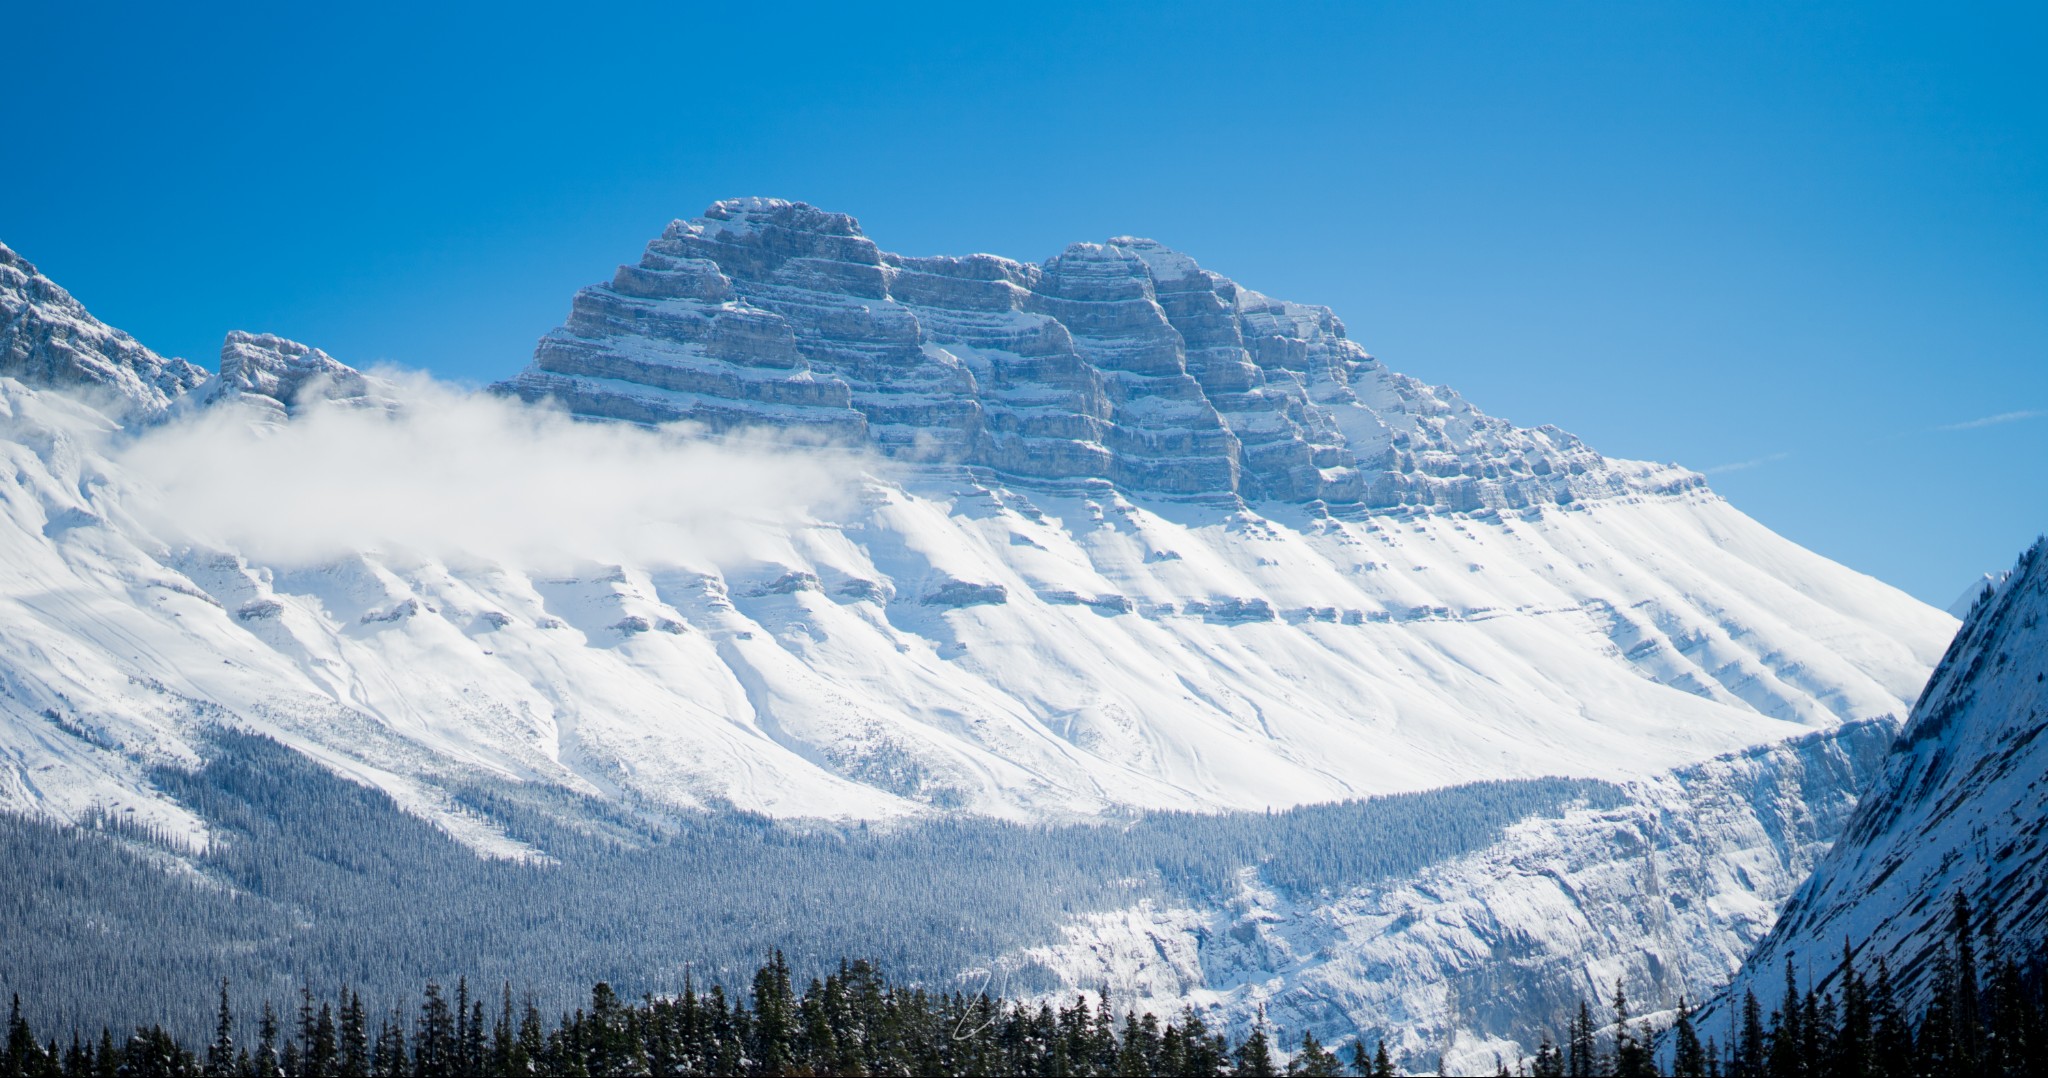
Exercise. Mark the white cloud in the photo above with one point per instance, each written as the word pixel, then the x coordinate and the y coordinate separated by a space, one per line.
pixel 1744 465
pixel 1994 420
pixel 464 475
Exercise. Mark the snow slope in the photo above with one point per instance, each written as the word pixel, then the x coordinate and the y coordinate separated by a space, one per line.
pixel 1474 960
pixel 946 644
pixel 1960 807
pixel 956 636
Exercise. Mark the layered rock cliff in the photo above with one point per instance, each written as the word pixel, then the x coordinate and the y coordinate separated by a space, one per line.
pixel 279 377
pixel 1118 364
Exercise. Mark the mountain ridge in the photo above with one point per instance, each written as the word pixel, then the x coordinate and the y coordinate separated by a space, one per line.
pixel 955 641
pixel 1960 808
pixel 1122 364
pixel 48 337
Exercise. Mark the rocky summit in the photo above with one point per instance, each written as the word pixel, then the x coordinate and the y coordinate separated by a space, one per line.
pixel 48 338
pixel 1121 364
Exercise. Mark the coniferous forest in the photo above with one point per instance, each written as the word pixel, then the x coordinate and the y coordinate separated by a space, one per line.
pixel 1984 1015
pixel 310 880
pixel 305 916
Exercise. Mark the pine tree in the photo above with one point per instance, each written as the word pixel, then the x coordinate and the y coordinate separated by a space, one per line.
pixel 24 1055
pixel 1688 1057
pixel 1255 1055
pixel 434 1053
pixel 355 1039
pixel 1788 1034
pixel 1817 1027
pixel 1549 1061
pixel 1747 1056
pixel 322 1053
pixel 501 1035
pixel 1852 1050
pixel 1935 1040
pixel 1581 1058
pixel 1382 1066
pixel 402 1062
pixel 1891 1041
pixel 268 1063
pixel 774 1048
pixel 532 1042
pixel 220 1055
pixel 1313 1060
pixel 1207 1053
pixel 1969 1026
pixel 1631 1055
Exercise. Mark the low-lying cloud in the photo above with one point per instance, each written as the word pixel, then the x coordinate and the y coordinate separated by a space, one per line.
pixel 457 475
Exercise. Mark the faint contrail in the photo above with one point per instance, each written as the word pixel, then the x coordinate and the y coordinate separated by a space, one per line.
pixel 1742 465
pixel 1994 420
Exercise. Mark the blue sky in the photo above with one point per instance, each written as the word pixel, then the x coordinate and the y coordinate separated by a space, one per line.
pixel 1802 247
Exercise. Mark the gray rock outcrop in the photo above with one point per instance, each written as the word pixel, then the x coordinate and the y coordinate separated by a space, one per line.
pixel 281 377
pixel 1119 364
pixel 48 339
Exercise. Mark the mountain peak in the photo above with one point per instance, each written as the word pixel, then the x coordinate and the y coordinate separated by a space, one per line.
pixel 47 338
pixel 746 214
pixel 1120 365
pixel 280 376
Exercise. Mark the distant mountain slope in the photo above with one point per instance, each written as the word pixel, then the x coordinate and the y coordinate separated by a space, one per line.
pixel 48 338
pixel 1474 959
pixel 1960 808
pixel 1158 625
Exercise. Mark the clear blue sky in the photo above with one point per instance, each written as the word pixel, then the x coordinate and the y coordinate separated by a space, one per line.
pixel 1804 247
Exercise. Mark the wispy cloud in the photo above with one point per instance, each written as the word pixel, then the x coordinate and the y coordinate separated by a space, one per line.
pixel 1995 420
pixel 1745 465
pixel 459 475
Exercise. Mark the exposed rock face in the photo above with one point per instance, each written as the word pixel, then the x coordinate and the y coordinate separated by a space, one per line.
pixel 1123 363
pixel 280 377
pixel 49 339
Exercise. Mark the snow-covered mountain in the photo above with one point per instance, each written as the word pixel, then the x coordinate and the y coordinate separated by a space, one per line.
pixel 1471 961
pixel 48 338
pixel 1045 542
pixel 1061 602
pixel 1961 807
pixel 1122 366
pixel 1967 599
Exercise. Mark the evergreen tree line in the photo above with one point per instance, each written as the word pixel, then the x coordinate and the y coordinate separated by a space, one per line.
pixel 311 878
pixel 1986 1016
pixel 851 1022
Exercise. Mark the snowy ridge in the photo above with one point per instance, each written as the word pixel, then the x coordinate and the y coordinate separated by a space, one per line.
pixel 1474 960
pixel 943 645
pixel 948 639
pixel 279 377
pixel 1961 807
pixel 1968 598
pixel 1122 364
pixel 48 338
